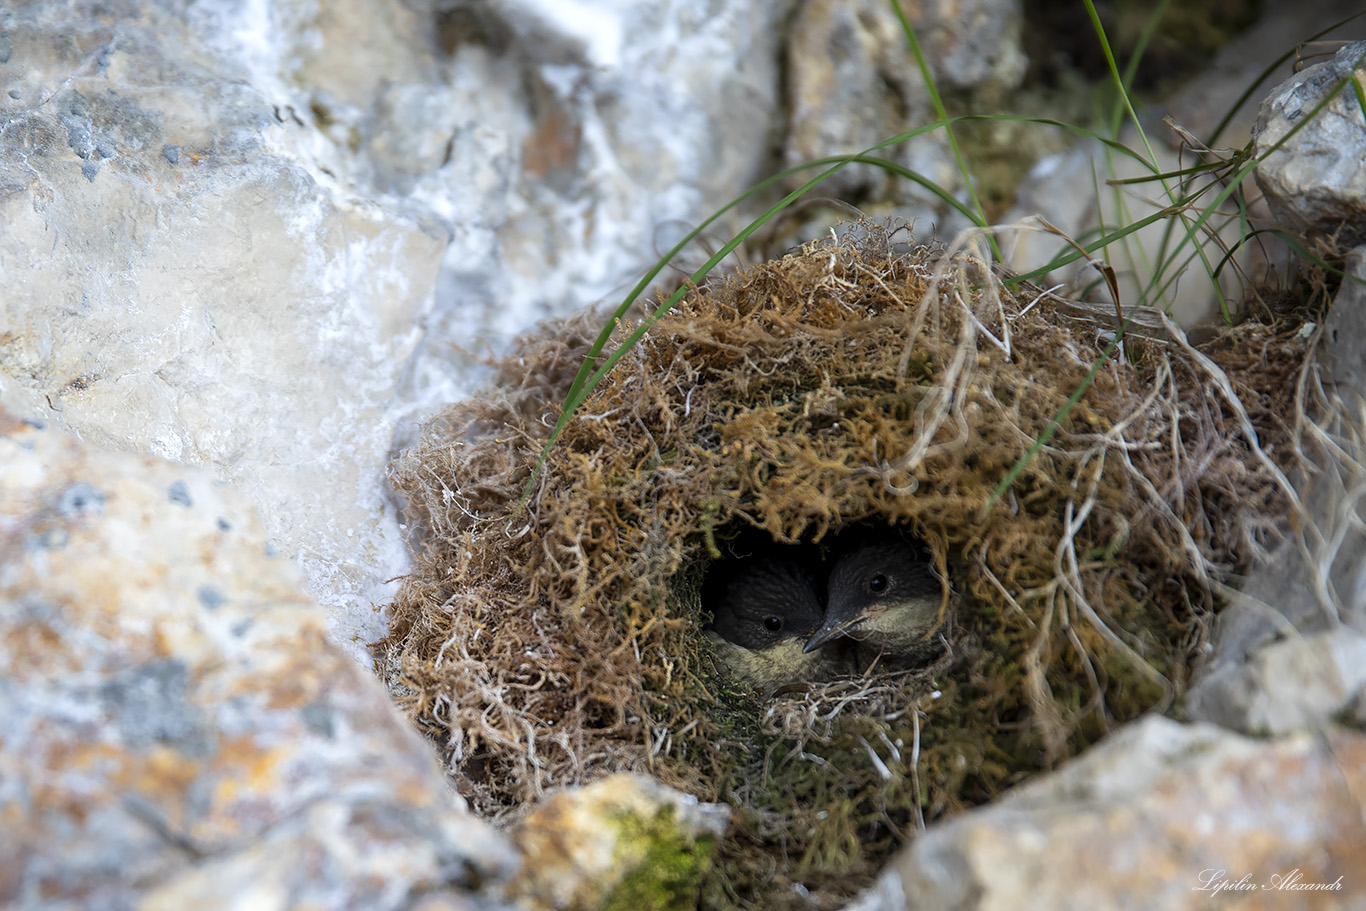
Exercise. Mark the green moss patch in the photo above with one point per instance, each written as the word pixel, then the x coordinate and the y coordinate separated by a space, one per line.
pixel 669 868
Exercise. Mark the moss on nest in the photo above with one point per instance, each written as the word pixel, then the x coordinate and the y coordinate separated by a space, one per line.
pixel 853 381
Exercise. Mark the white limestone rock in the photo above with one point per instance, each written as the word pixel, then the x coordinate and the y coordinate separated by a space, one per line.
pixel 1156 816
pixel 180 281
pixel 590 138
pixel 1315 180
pixel 853 82
pixel 1301 682
pixel 178 730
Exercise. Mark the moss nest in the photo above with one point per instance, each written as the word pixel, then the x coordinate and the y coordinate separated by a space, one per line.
pixel 856 381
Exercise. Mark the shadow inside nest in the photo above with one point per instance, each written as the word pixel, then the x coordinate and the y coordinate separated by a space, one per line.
pixel 854 387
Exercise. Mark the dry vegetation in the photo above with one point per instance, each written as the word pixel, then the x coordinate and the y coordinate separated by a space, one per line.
pixel 855 381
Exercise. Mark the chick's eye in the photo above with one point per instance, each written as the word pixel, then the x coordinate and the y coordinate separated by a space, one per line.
pixel 878 584
pixel 773 624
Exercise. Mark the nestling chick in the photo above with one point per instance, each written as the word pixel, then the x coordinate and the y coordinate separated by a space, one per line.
pixel 883 594
pixel 763 609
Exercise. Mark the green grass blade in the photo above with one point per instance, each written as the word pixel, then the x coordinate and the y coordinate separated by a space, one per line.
pixel 588 377
pixel 594 369
pixel 1232 187
pixel 927 74
pixel 1267 73
pixel 1162 274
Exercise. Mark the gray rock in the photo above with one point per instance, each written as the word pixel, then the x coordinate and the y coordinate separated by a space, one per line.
pixel 972 45
pixel 1156 816
pixel 1315 182
pixel 265 238
pixel 223 305
pixel 162 752
pixel 854 82
pixel 1344 355
pixel 1303 681
pixel 583 848
pixel 583 141
pixel 1290 652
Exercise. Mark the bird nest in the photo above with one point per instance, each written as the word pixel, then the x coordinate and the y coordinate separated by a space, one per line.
pixel 855 382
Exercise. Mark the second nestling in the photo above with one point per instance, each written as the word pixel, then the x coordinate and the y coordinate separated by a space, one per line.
pixel 782 616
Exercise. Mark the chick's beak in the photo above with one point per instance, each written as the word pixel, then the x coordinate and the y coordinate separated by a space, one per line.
pixel 833 627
